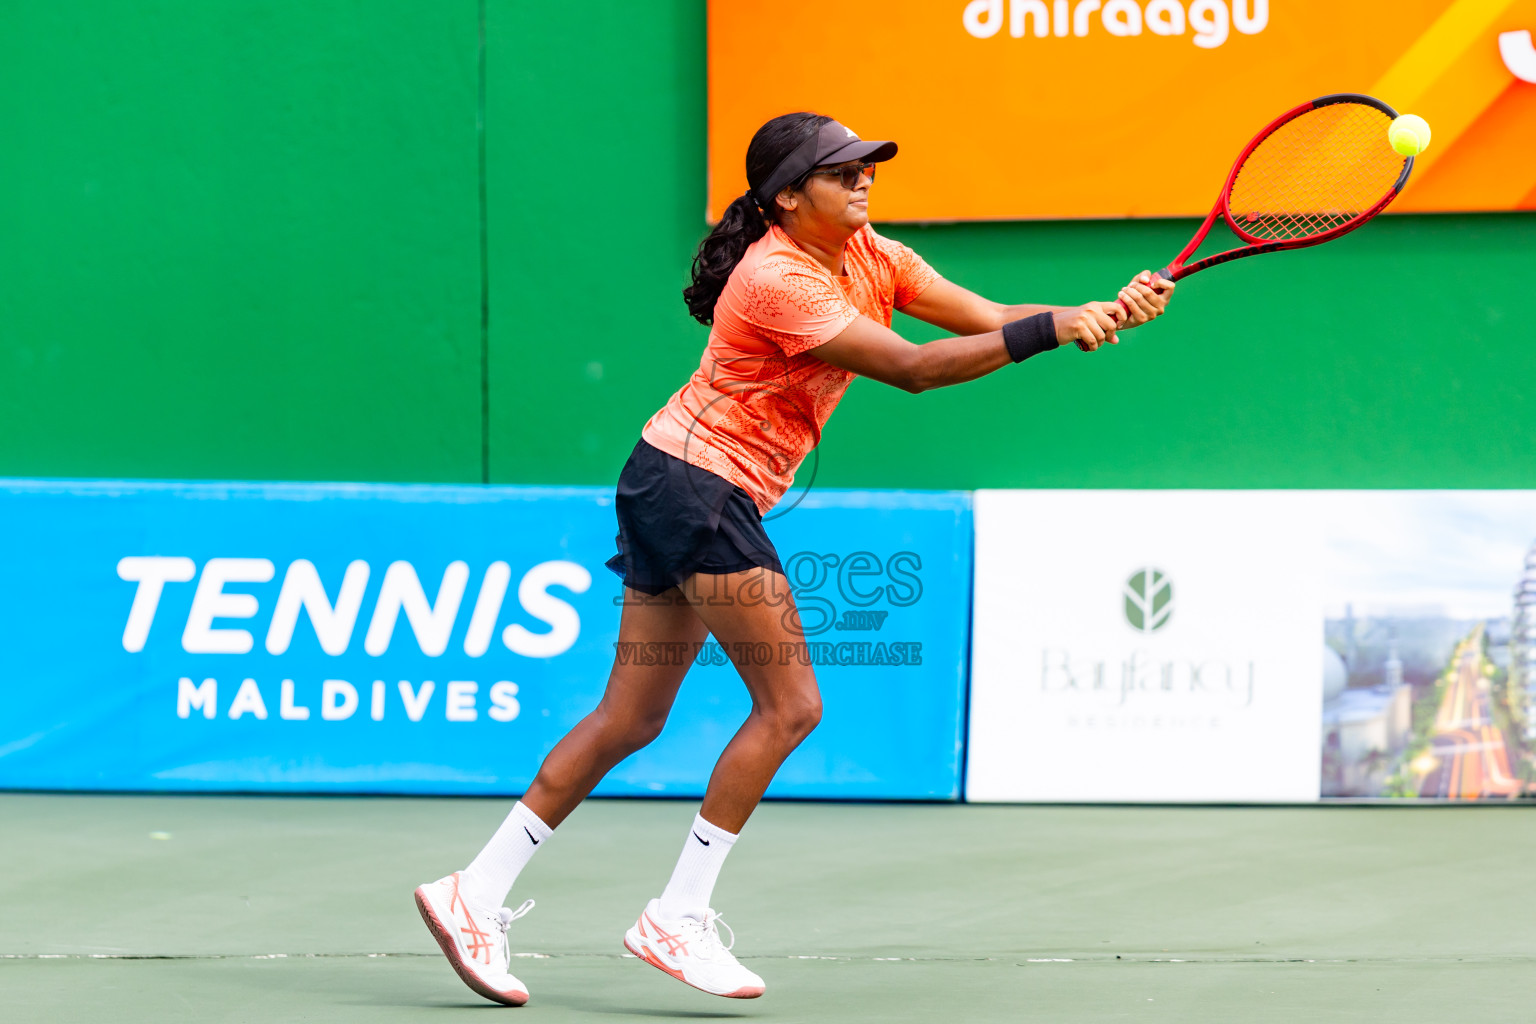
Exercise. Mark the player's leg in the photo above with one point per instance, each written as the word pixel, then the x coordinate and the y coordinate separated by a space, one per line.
pixel 464 910
pixel 633 710
pixel 751 614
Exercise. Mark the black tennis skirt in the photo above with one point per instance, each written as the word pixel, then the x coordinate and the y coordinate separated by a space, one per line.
pixel 676 520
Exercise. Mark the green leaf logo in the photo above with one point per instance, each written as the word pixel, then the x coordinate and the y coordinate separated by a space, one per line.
pixel 1148 600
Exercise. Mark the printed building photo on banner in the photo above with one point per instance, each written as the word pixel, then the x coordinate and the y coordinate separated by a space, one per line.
pixel 1429 654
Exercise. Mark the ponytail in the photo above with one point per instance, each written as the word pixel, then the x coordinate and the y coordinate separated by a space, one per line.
pixel 743 221
pixel 741 225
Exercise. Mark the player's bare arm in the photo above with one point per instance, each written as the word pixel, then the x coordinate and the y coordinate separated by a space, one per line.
pixel 961 311
pixel 878 352
pixel 875 351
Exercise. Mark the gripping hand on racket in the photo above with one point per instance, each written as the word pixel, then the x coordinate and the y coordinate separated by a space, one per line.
pixel 1093 324
pixel 1087 326
pixel 1143 300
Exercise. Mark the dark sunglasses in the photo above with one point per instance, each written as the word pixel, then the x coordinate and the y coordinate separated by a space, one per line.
pixel 848 175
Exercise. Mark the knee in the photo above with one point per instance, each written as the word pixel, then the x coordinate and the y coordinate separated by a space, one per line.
pixel 628 733
pixel 795 718
pixel 643 732
pixel 809 717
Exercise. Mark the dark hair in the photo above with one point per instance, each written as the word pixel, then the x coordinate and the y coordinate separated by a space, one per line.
pixel 743 221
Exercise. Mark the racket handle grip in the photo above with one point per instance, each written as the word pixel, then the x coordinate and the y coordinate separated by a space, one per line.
pixel 1166 274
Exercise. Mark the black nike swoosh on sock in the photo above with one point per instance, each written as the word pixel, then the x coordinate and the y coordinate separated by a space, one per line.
pixel 701 839
pixel 530 835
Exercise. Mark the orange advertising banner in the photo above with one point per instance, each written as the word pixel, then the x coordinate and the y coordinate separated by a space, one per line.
pixel 1121 108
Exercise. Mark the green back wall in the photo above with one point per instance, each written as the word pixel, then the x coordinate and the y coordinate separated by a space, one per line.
pixel 239 240
pixel 325 240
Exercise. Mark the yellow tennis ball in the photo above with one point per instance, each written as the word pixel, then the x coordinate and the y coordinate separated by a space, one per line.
pixel 1409 135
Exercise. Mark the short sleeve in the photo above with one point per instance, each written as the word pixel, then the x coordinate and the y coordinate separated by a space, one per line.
pixel 912 272
pixel 794 305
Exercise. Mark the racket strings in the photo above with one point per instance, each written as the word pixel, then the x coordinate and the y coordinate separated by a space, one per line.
pixel 1315 173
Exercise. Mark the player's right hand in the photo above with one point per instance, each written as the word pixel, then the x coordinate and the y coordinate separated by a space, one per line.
pixel 1087 326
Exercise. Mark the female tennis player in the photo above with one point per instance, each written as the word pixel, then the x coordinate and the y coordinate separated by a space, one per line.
pixel 798 290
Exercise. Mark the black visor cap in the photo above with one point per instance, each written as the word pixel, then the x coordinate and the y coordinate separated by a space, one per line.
pixel 832 144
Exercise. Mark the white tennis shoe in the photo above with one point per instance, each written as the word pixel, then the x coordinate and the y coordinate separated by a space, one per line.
pixel 473 939
pixel 690 950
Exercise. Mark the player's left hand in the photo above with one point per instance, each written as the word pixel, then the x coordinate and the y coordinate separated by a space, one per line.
pixel 1144 299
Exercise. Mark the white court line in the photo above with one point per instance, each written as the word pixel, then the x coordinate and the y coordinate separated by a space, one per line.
pixel 1091 959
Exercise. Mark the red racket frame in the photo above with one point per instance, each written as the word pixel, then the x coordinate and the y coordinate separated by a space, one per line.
pixel 1176 270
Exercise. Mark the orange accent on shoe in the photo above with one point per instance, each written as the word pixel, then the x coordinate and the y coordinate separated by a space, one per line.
pixel 509 997
pixel 746 992
pixel 641 953
pixel 479 941
pixel 655 961
pixel 675 946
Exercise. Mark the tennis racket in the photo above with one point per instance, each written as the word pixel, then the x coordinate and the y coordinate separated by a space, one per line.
pixel 1315 174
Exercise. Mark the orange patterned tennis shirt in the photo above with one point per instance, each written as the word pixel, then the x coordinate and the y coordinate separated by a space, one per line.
pixel 756 405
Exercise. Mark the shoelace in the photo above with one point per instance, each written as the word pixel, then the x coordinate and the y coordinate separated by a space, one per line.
pixel 709 929
pixel 504 918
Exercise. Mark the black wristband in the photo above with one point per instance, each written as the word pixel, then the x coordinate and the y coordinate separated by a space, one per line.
pixel 1030 336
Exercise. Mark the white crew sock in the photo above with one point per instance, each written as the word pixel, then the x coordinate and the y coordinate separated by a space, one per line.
pixel 687 894
pixel 490 875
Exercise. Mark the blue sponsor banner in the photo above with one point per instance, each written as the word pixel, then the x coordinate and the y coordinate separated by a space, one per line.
pixel 430 639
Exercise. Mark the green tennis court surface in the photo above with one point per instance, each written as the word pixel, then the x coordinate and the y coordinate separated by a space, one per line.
pixel 260 909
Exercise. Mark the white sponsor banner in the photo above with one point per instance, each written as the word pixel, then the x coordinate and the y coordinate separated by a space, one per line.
pixel 1146 646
